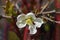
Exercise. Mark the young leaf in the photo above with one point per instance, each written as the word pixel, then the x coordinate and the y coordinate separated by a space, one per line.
pixel 47 27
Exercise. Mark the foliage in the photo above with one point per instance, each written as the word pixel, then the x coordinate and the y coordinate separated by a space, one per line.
pixel 47 27
pixel 12 36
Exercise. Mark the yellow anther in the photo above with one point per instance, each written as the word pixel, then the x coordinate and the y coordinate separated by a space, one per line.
pixel 29 21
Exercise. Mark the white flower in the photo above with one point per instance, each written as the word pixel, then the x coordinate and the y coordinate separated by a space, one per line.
pixel 30 20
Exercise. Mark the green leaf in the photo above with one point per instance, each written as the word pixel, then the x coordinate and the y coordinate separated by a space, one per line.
pixel 10 9
pixel 12 36
pixel 47 27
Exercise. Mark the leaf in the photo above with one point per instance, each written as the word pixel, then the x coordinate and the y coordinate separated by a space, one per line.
pixel 7 6
pixel 12 36
pixel 47 27
pixel 10 9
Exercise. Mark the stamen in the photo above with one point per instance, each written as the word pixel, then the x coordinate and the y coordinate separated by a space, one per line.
pixel 29 21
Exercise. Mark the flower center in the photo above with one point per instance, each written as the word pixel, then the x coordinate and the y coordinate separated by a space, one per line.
pixel 29 21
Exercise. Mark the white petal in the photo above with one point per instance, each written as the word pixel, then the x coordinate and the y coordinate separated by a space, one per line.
pixel 20 24
pixel 33 30
pixel 21 17
pixel 30 15
pixel 38 22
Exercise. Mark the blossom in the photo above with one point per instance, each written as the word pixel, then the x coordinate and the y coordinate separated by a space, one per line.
pixel 30 20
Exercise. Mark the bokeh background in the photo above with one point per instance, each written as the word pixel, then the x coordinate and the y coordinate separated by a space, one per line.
pixel 9 31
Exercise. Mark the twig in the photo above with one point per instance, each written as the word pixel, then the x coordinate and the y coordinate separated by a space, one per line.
pixel 47 18
pixel 2 6
pixel 19 9
pixel 57 22
pixel 6 16
pixel 44 7
pixel 50 19
pixel 48 12
pixel 58 12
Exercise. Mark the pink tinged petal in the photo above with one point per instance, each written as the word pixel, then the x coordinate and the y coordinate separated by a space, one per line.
pixel 21 17
pixel 20 24
pixel 38 22
pixel 30 15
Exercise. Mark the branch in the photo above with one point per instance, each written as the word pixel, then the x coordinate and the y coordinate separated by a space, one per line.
pixel 44 7
pixel 3 6
pixel 58 12
pixel 19 9
pixel 50 19
pixel 5 16
pixel 57 22
pixel 47 18
pixel 50 12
